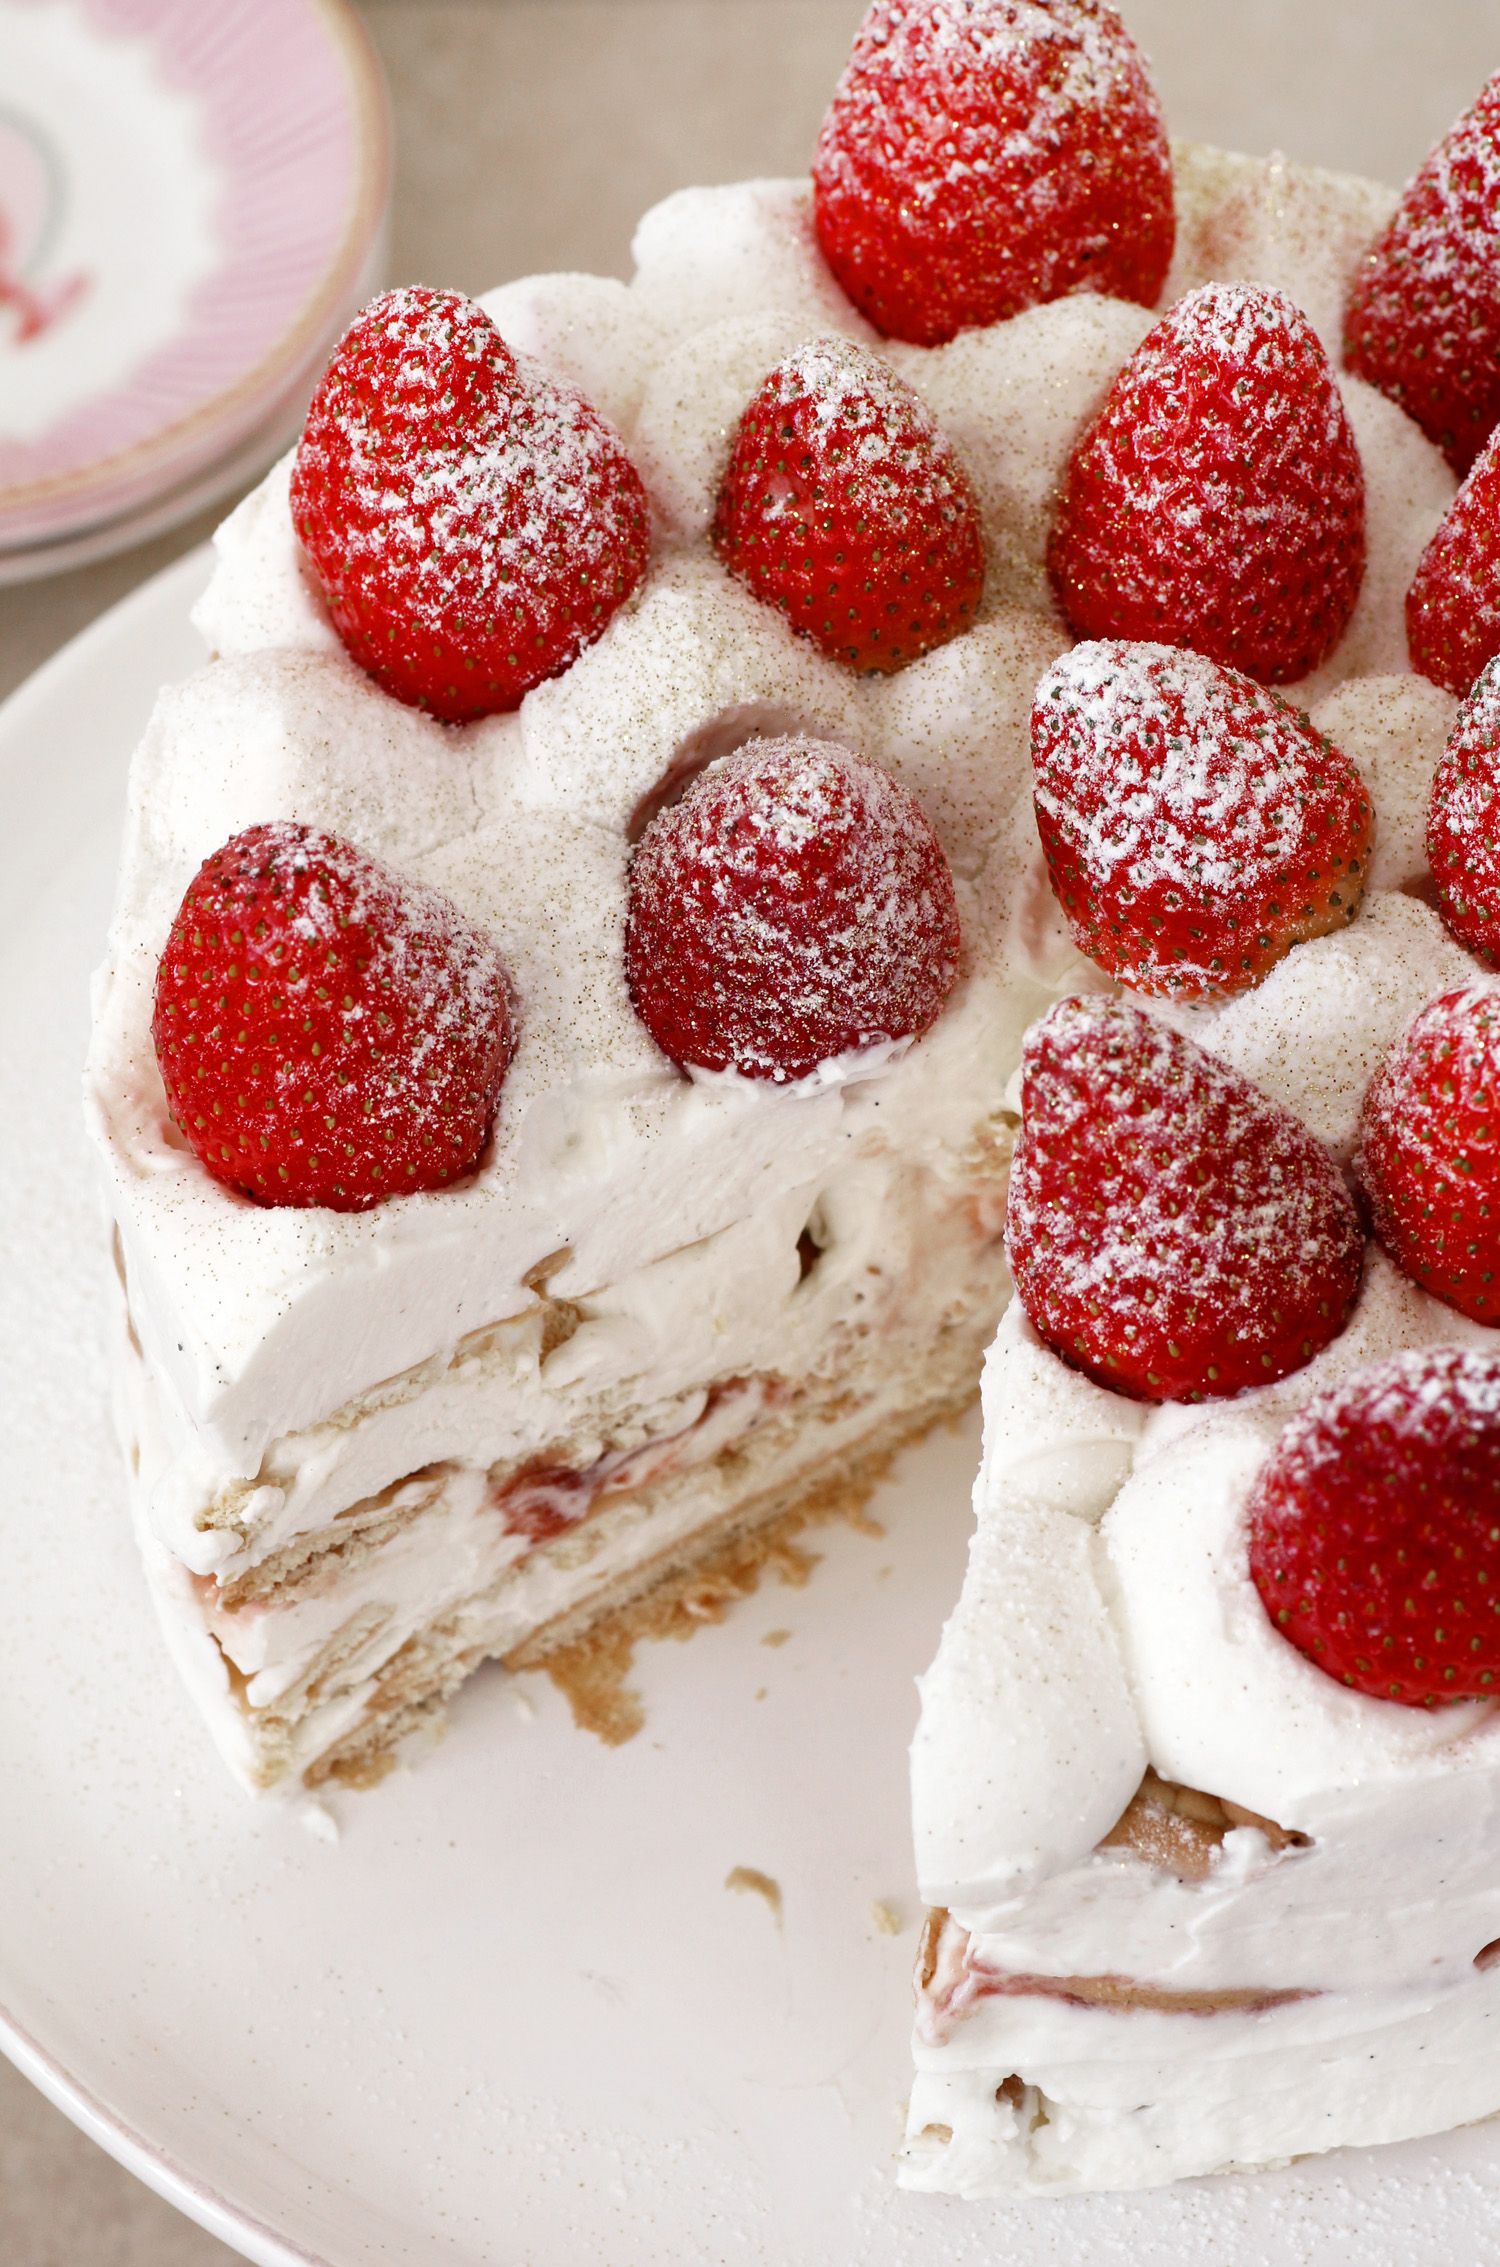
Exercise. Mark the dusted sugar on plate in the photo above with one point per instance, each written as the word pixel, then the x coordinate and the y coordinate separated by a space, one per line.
pixel 1206 1778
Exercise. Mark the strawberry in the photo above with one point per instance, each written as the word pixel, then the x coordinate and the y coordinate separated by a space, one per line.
pixel 1423 321
pixel 1173 1233
pixel 981 156
pixel 1195 825
pixel 472 525
pixel 1374 1529
pixel 1218 500
pixel 1428 1151
pixel 793 905
pixel 1463 822
pixel 328 1032
pixel 1453 606
pixel 844 505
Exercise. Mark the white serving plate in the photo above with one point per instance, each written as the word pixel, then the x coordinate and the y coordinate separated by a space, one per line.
pixel 511 2017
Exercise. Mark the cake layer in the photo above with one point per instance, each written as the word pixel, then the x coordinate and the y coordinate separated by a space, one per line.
pixel 313 1658
pixel 1201 2093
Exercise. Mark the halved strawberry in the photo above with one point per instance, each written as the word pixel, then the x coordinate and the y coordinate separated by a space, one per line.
pixel 1463 821
pixel 792 906
pixel 328 1032
pixel 980 156
pixel 1218 500
pixel 1195 825
pixel 473 525
pixel 844 505
pixel 1172 1232
pixel 1423 322
pixel 1430 1150
pixel 1453 606
pixel 1374 1529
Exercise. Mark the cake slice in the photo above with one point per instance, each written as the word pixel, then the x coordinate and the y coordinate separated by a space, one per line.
pixel 702 1273
pixel 528 593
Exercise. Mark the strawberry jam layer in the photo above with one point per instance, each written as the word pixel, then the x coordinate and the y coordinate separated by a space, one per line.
pixel 954 1979
pixel 537 1503
pixel 544 1500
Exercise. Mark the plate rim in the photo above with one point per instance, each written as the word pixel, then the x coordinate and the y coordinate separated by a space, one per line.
pixel 48 510
pixel 155 2168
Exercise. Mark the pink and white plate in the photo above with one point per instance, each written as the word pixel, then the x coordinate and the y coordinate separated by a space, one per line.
pixel 192 203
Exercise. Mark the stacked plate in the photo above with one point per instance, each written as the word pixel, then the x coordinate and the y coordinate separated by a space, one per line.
pixel 193 197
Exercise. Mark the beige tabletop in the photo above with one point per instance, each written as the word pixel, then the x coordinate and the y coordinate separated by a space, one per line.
pixel 530 134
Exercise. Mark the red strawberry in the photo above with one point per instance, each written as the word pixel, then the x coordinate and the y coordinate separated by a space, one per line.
pixel 981 156
pixel 1463 822
pixel 1430 1150
pixel 1453 606
pixel 844 505
pixel 1374 1529
pixel 1218 499
pixel 1172 1232
pixel 793 905
pixel 1195 825
pixel 1423 322
pixel 328 1033
pixel 473 526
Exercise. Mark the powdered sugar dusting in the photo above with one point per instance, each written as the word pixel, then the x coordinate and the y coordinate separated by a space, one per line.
pixel 1393 730
pixel 1427 1150
pixel 1193 822
pixel 523 821
pixel 1424 314
pixel 593 1118
pixel 1014 399
pixel 1313 1032
pixel 845 386
pixel 793 906
pixel 1269 221
pixel 1408 487
pixel 1428 1396
pixel 1453 606
pixel 429 953
pixel 843 505
pixel 474 524
pixel 980 156
pixel 328 1032
pixel 1375 1528
pixel 691 409
pixel 1463 835
pixel 1218 501
pixel 1172 1232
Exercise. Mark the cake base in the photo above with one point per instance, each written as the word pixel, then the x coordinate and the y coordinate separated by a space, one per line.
pixel 1108 2120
